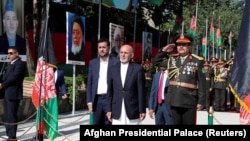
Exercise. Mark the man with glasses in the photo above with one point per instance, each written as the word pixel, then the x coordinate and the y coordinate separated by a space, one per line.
pixel 186 92
pixel 12 86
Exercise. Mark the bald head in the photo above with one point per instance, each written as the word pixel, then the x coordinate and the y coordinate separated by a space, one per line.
pixel 126 53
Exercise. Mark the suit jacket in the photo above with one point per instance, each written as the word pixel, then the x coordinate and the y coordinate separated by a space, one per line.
pixel 133 91
pixel 60 83
pixel 13 80
pixel 152 102
pixel 20 44
pixel 93 76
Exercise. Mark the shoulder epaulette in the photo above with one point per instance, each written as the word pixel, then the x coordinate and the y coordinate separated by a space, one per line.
pixel 198 57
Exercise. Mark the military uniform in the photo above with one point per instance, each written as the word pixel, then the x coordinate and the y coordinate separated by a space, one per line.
pixel 187 86
pixel 219 86
pixel 208 96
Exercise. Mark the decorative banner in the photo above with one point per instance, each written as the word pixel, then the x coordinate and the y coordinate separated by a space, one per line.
pixel 119 4
pixel 75 40
pixel 116 37
pixel 146 45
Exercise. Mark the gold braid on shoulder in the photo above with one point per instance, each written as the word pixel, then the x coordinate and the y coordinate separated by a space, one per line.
pixel 173 71
pixel 216 77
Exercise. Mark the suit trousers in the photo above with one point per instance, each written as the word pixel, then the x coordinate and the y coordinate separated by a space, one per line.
pixel 10 117
pixel 100 111
pixel 163 114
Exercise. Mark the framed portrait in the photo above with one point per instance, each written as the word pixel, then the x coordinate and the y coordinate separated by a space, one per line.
pixel 17 27
pixel 116 37
pixel 75 40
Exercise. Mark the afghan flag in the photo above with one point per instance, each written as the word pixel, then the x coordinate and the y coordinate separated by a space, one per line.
pixel 193 24
pixel 230 36
pixel 178 20
pixel 44 95
pixel 240 74
pixel 218 37
pixel 211 34
pixel 204 44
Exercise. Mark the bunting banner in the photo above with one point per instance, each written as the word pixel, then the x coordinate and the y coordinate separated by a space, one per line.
pixel 155 2
pixel 118 4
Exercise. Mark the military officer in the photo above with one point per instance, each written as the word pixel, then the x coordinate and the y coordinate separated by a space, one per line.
pixel 186 92
pixel 220 74
pixel 208 102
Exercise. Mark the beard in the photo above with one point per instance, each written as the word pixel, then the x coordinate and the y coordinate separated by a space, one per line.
pixel 75 49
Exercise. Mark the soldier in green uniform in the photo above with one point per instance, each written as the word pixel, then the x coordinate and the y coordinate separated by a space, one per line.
pixel 186 92
pixel 208 102
pixel 220 74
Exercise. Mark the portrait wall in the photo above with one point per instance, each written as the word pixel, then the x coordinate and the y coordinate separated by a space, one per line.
pixel 75 39
pixel 116 37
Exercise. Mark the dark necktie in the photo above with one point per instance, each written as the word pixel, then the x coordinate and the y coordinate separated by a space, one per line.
pixel 160 88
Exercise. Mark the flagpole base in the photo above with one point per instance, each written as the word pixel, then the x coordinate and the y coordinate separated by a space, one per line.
pixel 39 137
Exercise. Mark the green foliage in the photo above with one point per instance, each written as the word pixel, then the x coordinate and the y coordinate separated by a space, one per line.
pixel 30 78
pixel 79 79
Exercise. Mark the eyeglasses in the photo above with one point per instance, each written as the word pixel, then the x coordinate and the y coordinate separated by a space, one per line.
pixel 183 44
pixel 11 53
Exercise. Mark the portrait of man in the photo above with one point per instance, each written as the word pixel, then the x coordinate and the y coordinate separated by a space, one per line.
pixel 147 45
pixel 116 36
pixel 76 39
pixel 10 37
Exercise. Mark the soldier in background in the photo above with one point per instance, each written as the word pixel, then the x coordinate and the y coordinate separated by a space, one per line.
pixel 148 71
pixel 220 74
pixel 213 64
pixel 209 98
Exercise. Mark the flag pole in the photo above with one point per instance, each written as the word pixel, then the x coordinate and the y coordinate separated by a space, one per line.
pixel 40 124
pixel 99 19
pixel 206 52
pixel 135 20
pixel 230 41
pixel 74 84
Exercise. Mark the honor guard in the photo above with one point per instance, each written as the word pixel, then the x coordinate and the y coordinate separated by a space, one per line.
pixel 220 86
pixel 206 69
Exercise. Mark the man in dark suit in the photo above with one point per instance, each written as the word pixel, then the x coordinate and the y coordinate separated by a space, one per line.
pixel 10 37
pixel 97 82
pixel 61 88
pixel 156 105
pixel 186 92
pixel 13 87
pixel 126 90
